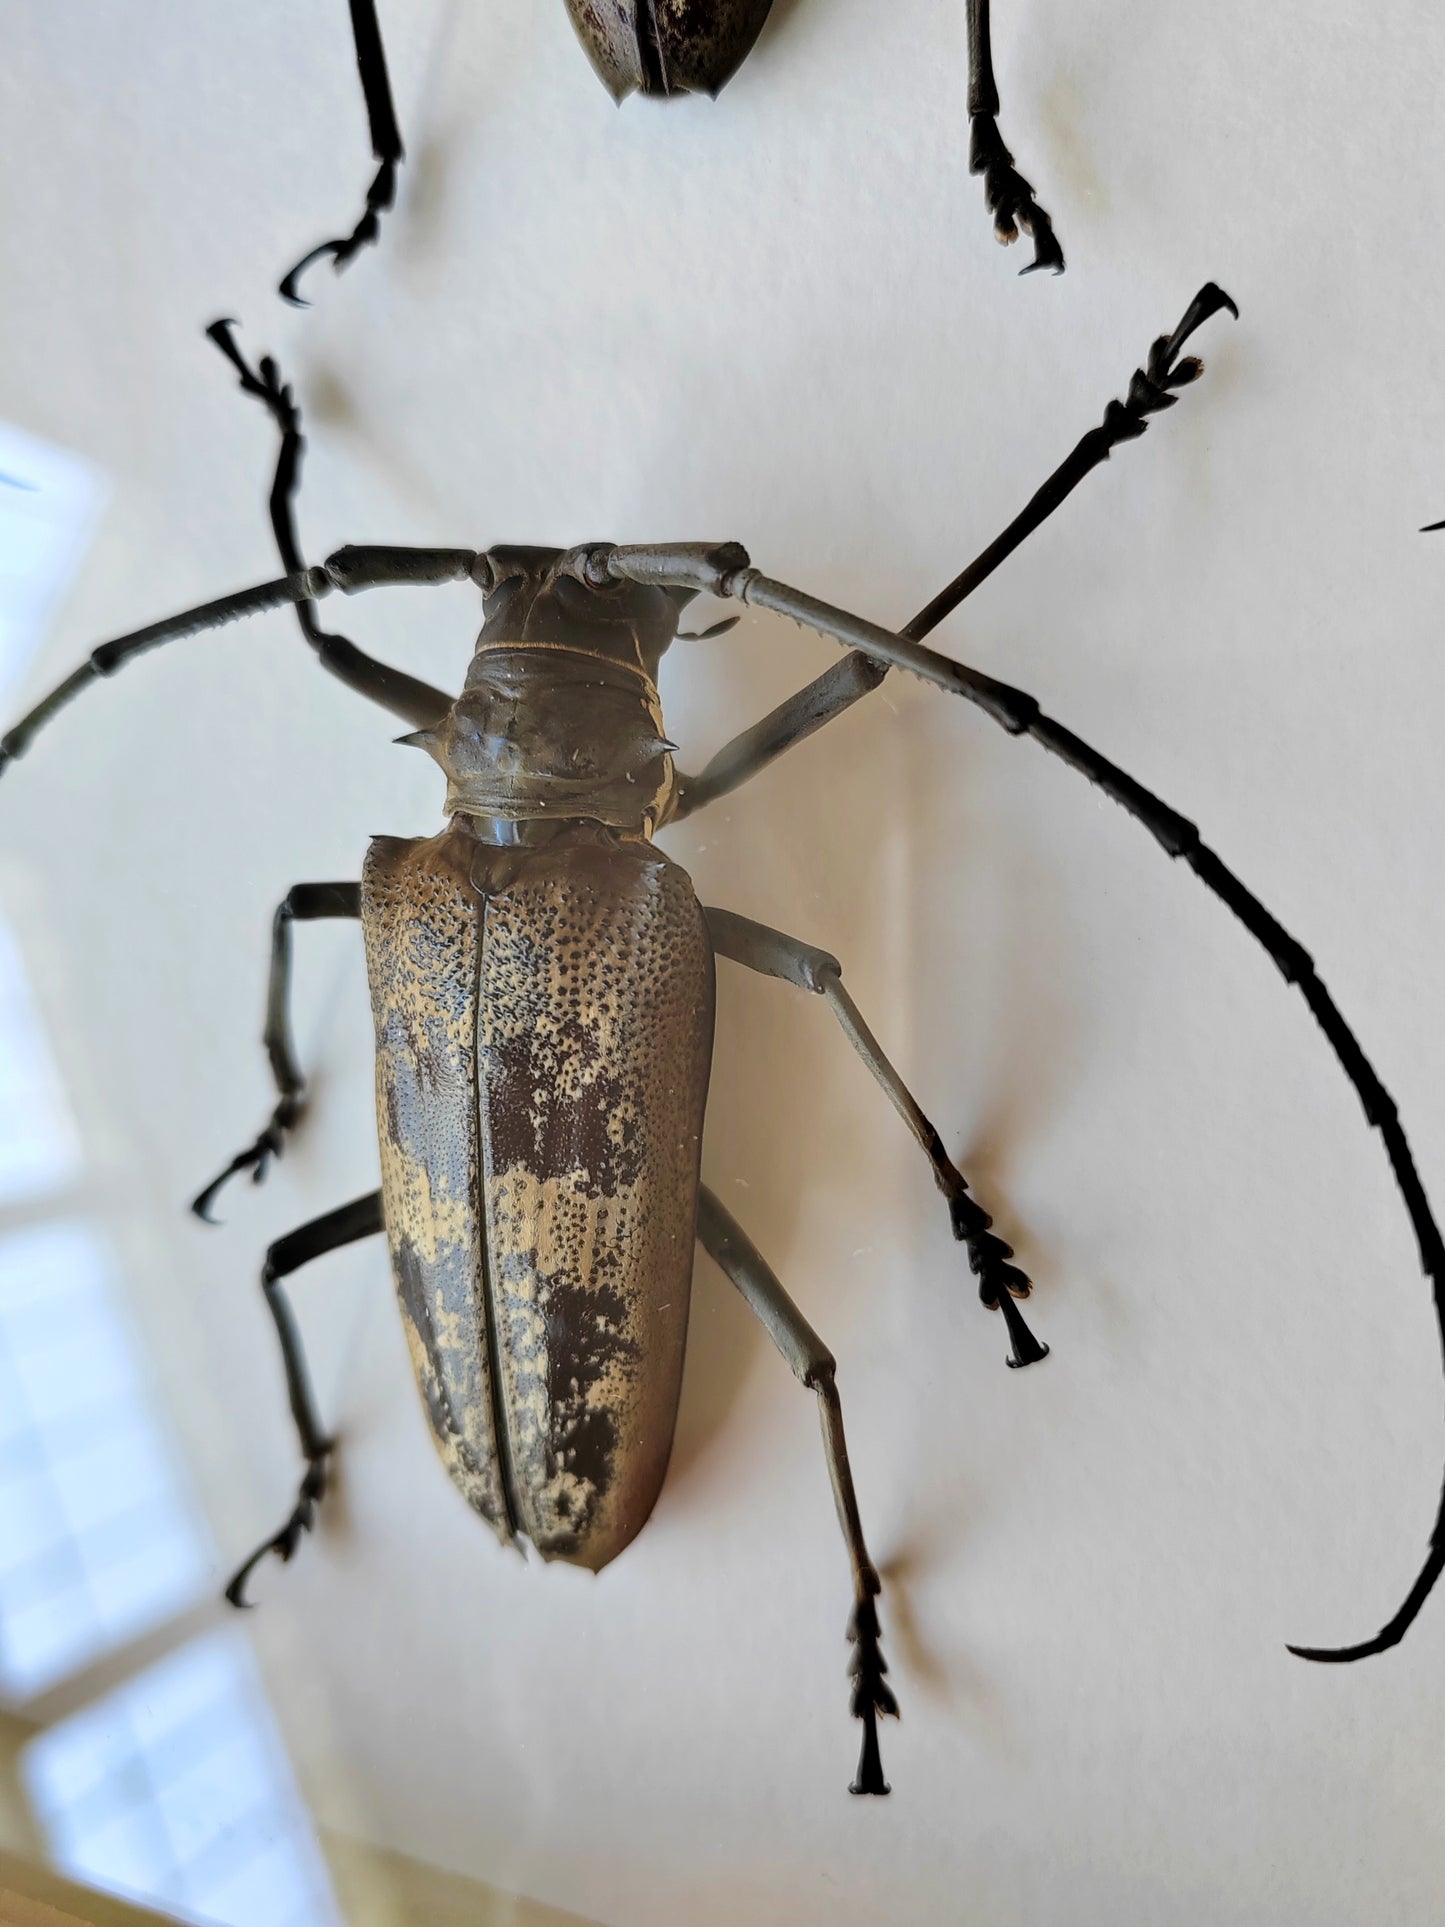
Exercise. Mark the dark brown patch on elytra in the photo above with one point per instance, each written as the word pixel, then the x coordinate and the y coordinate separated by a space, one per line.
pixel 558 1109
pixel 586 1343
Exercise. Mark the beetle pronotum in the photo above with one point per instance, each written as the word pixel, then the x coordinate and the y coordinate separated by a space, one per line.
pixel 665 47
pixel 542 988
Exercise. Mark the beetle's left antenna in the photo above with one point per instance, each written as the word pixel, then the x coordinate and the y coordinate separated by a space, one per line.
pixel 350 570
pixel 386 147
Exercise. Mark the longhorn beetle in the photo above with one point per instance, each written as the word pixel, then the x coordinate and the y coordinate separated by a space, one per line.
pixel 542 987
pixel 664 47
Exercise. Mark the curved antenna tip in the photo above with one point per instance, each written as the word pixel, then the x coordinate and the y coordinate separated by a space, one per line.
pixel 1335 1655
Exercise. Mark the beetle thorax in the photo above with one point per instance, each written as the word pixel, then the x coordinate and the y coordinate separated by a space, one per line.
pixel 560 717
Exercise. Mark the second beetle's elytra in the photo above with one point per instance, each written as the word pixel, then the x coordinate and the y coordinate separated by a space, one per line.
pixel 667 46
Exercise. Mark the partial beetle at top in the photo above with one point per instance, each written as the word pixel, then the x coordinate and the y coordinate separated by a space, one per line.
pixel 667 47
pixel 542 980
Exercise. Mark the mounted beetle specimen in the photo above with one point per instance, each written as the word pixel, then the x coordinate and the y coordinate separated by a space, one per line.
pixel 542 988
pixel 666 47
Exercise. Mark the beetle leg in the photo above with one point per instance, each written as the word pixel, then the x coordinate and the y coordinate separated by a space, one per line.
pixel 775 954
pixel 307 901
pixel 841 686
pixel 350 569
pixel 792 722
pixel 729 1246
pixel 386 148
pixel 406 696
pixel 1010 198
pixel 360 1219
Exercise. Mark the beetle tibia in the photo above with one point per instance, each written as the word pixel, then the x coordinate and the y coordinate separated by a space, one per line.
pixel 871 1695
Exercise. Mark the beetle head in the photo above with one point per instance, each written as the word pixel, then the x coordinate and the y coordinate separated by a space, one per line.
pixel 667 46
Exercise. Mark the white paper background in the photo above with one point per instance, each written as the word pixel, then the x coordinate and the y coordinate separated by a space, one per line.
pixel 780 318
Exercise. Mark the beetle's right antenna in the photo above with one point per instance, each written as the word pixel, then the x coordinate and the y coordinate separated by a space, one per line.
pixel 1009 196
pixel 385 146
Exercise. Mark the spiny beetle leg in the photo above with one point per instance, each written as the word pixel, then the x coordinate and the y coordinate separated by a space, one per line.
pixel 773 953
pixel 810 1361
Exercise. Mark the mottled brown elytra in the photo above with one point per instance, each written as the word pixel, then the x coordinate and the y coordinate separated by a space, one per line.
pixel 667 47
pixel 542 986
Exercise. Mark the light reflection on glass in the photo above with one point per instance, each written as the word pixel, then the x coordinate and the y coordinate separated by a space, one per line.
pixel 173 1787
pixel 39 1147
pixel 100 1540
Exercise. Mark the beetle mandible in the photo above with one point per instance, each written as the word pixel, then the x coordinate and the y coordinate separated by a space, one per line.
pixel 542 985
pixel 667 47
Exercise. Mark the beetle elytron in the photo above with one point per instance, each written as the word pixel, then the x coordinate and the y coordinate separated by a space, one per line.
pixel 542 984
pixel 664 47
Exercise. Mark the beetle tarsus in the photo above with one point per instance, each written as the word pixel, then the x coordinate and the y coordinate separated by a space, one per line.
pixel 871 1694
pixel 256 1158
pixel 1027 1350
pixel 379 197
pixel 1010 198
pixel 1000 1283
pixel 285 1542
pixel 386 149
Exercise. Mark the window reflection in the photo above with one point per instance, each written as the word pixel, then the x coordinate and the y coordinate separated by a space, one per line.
pixel 172 1787
pixel 39 1146
pixel 98 1538
pixel 176 1789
